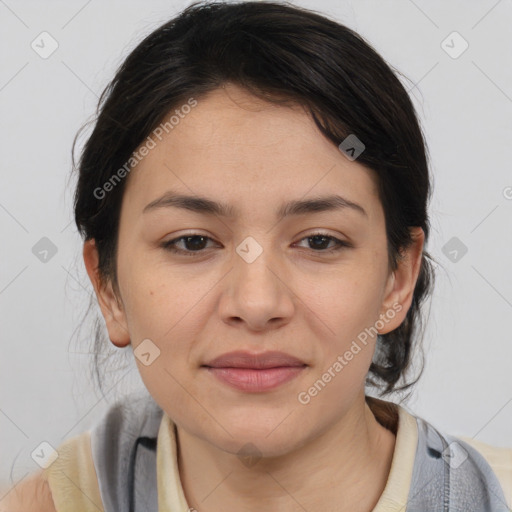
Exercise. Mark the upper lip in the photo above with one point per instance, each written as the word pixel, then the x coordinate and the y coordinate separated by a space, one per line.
pixel 243 359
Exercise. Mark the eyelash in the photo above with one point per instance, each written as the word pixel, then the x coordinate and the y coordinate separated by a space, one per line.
pixel 170 244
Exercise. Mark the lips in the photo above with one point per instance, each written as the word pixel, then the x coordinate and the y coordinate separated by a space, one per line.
pixel 255 373
pixel 264 360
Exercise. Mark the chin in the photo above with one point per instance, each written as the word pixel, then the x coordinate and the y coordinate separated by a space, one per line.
pixel 269 436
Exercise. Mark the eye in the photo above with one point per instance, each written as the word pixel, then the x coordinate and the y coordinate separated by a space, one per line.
pixel 195 243
pixel 319 241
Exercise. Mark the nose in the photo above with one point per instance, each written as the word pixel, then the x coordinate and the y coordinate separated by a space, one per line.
pixel 256 293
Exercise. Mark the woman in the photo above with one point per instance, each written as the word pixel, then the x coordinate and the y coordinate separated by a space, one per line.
pixel 253 201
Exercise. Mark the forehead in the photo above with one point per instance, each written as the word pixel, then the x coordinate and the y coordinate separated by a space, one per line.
pixel 232 144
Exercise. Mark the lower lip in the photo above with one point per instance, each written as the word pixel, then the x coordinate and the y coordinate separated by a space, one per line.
pixel 249 379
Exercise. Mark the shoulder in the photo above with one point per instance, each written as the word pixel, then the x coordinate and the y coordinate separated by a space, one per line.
pixel 472 475
pixel 32 494
pixel 498 457
pixel 500 461
pixel 72 476
pixel 90 470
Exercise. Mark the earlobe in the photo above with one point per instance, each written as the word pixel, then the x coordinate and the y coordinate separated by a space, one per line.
pixel 111 309
pixel 401 284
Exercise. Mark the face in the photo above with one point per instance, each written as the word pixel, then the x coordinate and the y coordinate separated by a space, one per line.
pixel 307 283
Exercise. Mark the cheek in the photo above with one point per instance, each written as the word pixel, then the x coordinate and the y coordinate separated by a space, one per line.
pixel 164 313
pixel 349 306
pixel 346 300
pixel 155 297
pixel 169 312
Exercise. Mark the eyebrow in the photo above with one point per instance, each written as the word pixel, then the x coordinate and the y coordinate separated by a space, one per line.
pixel 207 206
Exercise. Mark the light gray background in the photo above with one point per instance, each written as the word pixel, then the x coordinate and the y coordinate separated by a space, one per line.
pixel 465 106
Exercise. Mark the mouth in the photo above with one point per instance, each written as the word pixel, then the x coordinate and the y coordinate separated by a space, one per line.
pixel 250 372
pixel 256 380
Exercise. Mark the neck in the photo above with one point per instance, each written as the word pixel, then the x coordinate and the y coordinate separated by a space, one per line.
pixel 348 465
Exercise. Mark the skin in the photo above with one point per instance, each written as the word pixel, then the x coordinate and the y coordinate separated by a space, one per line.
pixel 330 454
pixel 31 494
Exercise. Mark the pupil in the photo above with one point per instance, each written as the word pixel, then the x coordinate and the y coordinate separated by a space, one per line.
pixel 194 245
pixel 321 237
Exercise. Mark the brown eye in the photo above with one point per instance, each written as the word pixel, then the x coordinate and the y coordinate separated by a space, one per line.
pixel 319 242
pixel 193 243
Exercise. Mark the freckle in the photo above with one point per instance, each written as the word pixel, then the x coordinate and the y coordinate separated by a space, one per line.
pixel 150 292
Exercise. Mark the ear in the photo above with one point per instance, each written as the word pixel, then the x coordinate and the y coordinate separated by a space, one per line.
pixel 401 283
pixel 112 310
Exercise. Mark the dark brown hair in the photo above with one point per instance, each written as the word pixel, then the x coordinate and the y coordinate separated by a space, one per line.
pixel 284 54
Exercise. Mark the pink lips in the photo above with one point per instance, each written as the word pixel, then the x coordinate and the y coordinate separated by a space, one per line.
pixel 255 372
